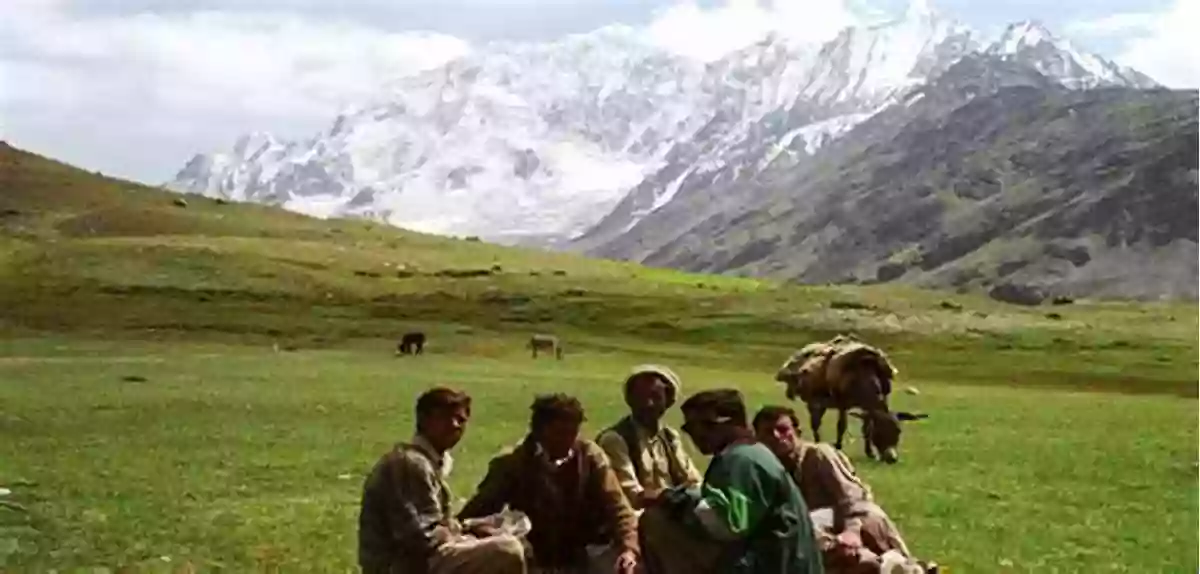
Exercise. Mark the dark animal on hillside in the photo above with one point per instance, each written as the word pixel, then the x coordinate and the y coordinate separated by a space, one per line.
pixel 411 344
pixel 845 374
pixel 546 342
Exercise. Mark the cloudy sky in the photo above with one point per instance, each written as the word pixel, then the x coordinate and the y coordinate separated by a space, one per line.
pixel 135 87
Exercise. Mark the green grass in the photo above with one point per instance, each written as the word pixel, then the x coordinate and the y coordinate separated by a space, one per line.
pixel 249 459
pixel 1055 444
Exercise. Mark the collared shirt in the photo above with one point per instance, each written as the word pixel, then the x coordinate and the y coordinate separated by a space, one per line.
pixel 443 462
pixel 541 452
pixel 405 513
pixel 827 478
pixel 656 456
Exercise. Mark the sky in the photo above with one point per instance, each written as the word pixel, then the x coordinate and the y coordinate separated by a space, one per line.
pixel 134 88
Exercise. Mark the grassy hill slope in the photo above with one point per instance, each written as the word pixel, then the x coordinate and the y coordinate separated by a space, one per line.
pixel 87 254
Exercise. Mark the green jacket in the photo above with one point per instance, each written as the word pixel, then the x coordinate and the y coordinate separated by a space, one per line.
pixel 749 500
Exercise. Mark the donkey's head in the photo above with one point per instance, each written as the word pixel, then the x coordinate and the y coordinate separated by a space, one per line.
pixel 881 430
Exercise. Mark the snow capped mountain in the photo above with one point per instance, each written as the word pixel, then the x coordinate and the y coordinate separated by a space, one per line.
pixel 872 64
pixel 511 139
pixel 1031 43
pixel 777 102
pixel 581 138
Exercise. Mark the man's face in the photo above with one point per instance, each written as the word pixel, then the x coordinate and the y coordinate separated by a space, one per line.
pixel 704 430
pixel 444 428
pixel 647 397
pixel 558 436
pixel 779 435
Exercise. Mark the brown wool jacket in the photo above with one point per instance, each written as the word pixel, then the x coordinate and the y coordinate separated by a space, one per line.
pixel 577 504
pixel 405 512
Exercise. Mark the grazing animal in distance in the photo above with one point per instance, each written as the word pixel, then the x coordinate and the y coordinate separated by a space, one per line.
pixel 546 342
pixel 411 344
pixel 845 373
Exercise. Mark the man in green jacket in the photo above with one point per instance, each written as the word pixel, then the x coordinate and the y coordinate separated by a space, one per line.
pixel 747 517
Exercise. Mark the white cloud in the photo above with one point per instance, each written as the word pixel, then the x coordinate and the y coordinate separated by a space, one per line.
pixel 687 29
pixel 1113 24
pixel 175 84
pixel 136 93
pixel 1162 44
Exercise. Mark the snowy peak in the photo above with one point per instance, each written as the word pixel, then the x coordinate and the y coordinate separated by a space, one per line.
pixel 1031 43
pixel 1021 35
pixel 598 130
pixel 872 64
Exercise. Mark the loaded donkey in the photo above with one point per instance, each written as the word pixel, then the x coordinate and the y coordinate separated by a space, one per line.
pixel 845 373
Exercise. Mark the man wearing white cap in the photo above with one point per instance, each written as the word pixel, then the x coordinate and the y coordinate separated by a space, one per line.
pixel 648 456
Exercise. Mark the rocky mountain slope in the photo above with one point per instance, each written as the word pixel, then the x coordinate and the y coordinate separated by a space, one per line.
pixel 912 150
pixel 991 174
pixel 582 138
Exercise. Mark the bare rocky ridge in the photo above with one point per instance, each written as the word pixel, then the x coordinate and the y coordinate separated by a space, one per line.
pixel 991 174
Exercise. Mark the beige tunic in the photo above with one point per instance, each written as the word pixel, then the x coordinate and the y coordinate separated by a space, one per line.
pixel 657 457
pixel 828 481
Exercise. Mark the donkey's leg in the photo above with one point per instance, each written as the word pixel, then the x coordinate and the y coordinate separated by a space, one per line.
pixel 841 428
pixel 867 429
pixel 816 411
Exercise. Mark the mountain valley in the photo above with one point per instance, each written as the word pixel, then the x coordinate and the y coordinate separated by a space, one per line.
pixel 860 159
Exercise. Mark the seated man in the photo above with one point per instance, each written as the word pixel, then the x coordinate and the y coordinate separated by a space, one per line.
pixel 856 535
pixel 647 455
pixel 405 524
pixel 567 488
pixel 746 517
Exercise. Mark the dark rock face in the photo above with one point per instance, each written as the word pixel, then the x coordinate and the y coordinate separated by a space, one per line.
pixel 525 164
pixel 1017 294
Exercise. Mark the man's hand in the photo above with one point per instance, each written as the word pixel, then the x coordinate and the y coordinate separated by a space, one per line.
pixel 648 498
pixel 483 530
pixel 627 562
pixel 848 543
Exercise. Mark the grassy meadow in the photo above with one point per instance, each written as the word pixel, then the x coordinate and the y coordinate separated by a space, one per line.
pixel 202 387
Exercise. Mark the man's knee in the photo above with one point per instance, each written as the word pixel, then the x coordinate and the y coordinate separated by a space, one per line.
pixel 654 519
pixel 881 535
pixel 506 548
pixel 497 553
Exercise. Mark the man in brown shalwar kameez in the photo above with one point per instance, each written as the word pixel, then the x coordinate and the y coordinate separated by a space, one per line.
pixel 405 524
pixel 855 534
pixel 569 491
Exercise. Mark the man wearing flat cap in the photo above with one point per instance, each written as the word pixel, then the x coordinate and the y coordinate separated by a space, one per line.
pixel 648 456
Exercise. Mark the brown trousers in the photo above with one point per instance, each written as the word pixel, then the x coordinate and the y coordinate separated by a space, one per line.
pixel 669 548
pixel 883 547
pixel 469 555
pixel 601 560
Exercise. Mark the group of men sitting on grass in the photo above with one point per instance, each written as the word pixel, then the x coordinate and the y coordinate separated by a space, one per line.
pixel 632 501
